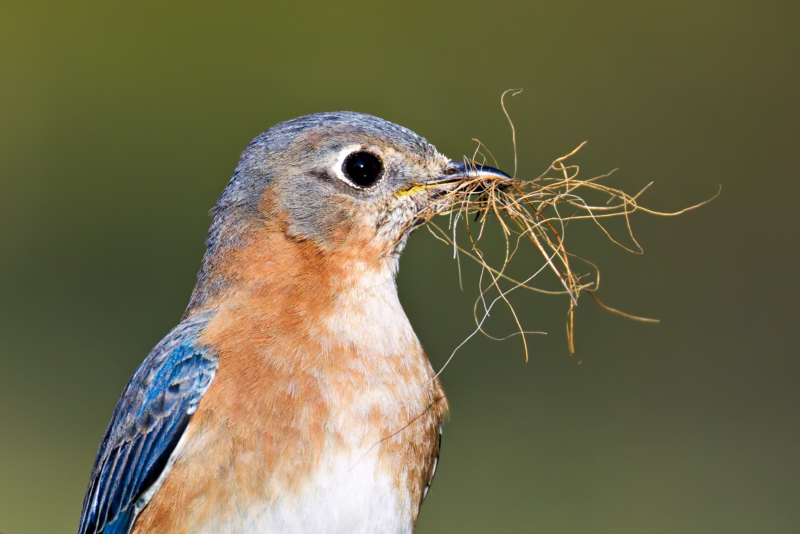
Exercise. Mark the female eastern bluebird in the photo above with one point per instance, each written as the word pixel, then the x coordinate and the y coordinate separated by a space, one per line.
pixel 293 396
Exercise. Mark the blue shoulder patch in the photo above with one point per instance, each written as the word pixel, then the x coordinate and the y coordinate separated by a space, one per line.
pixel 147 424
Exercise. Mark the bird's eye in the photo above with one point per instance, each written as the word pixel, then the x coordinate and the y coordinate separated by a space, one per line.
pixel 362 168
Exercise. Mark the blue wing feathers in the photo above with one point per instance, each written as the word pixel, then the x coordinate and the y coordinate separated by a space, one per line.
pixel 149 420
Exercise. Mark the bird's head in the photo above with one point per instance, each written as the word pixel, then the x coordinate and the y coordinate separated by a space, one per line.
pixel 344 185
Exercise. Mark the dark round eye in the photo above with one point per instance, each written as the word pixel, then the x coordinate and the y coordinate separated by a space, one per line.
pixel 362 168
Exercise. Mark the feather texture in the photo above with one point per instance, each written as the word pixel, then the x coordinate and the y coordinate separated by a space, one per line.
pixel 147 424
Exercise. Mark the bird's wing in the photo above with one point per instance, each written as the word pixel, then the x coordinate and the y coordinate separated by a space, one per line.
pixel 147 424
pixel 433 465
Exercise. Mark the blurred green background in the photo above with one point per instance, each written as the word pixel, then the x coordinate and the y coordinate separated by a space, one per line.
pixel 121 122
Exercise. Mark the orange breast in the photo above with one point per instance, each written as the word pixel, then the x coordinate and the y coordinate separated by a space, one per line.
pixel 304 373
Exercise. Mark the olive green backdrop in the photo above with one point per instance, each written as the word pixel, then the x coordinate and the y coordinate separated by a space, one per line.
pixel 121 122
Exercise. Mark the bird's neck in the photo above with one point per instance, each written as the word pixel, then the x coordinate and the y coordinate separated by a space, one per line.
pixel 347 293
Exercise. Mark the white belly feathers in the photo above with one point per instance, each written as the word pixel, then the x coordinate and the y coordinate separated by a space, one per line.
pixel 348 495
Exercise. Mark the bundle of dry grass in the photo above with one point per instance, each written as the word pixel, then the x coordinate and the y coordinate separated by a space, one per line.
pixel 536 212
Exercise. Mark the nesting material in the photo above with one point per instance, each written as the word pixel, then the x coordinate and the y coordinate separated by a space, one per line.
pixel 533 213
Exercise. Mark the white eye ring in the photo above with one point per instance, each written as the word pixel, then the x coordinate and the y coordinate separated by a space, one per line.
pixel 341 156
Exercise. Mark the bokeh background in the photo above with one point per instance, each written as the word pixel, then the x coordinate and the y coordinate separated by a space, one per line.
pixel 121 122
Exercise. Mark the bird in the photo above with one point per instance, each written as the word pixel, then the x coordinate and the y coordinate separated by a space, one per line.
pixel 293 396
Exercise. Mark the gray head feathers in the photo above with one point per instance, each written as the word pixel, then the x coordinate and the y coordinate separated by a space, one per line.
pixel 294 176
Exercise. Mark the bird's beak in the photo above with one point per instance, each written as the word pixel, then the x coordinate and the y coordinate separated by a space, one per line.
pixel 454 173
pixel 458 172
